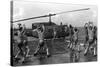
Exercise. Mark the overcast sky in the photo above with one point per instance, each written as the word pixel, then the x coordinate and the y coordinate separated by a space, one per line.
pixel 24 9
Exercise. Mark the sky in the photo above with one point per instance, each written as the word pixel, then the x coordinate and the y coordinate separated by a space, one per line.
pixel 25 9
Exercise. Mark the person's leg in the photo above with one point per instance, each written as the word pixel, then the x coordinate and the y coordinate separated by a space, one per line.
pixel 86 50
pixel 94 48
pixel 95 51
pixel 26 48
pixel 89 46
pixel 86 46
pixel 19 50
pixel 71 42
pixel 68 44
pixel 47 51
pixel 22 55
pixel 45 48
pixel 75 43
pixel 40 46
pixel 17 54
pixel 27 51
pixel 86 41
pixel 36 51
pixel 23 51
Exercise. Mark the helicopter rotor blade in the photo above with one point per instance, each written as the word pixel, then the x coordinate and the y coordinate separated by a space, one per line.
pixel 73 11
pixel 31 18
pixel 51 15
pixel 35 17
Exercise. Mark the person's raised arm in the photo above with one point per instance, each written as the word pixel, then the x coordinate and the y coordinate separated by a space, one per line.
pixel 34 30
pixel 43 28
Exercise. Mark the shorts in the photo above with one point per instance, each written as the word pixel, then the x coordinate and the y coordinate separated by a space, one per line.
pixel 42 48
pixel 41 44
pixel 20 45
pixel 91 41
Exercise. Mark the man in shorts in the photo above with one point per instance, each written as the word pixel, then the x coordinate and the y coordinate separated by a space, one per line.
pixel 86 32
pixel 71 32
pixel 75 37
pixel 40 30
pixel 90 38
pixel 22 43
pixel 95 41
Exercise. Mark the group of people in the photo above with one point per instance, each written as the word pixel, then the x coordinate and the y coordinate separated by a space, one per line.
pixel 22 42
pixel 90 39
pixel 73 36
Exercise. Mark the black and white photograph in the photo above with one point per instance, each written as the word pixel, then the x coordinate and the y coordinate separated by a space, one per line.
pixel 52 33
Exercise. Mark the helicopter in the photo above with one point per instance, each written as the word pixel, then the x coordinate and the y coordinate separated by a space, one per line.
pixel 50 26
